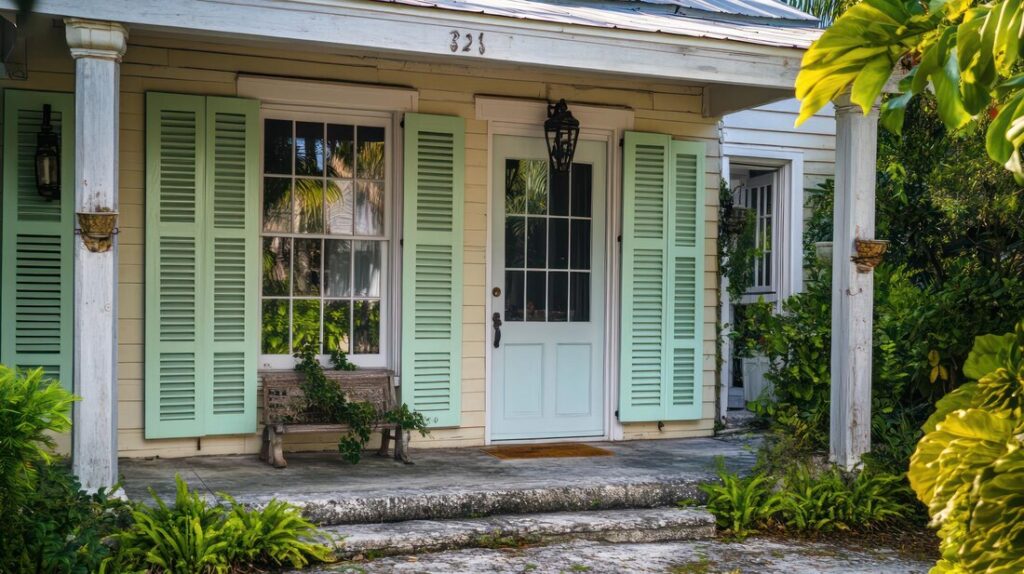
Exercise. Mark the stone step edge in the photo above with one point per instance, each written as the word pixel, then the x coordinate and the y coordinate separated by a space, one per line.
pixel 513 531
pixel 326 510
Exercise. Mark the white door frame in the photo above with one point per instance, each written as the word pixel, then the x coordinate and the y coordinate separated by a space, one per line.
pixel 788 227
pixel 518 117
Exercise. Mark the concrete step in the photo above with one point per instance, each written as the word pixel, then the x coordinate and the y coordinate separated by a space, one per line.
pixel 511 531
pixel 443 504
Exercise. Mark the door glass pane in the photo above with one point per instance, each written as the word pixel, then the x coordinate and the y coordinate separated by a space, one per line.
pixel 514 296
pixel 526 186
pixel 309 148
pixel 579 244
pixel 579 297
pixel 559 193
pixel 582 189
pixel 277 204
pixel 515 242
pixel 536 291
pixel 305 322
pixel 274 337
pixel 367 268
pixel 339 150
pixel 366 327
pixel 558 296
pixel 277 146
pixel 339 207
pixel 370 161
pixel 558 243
pixel 337 268
pixel 277 255
pixel 370 208
pixel 337 319
pixel 309 205
pixel 307 267
pixel 536 242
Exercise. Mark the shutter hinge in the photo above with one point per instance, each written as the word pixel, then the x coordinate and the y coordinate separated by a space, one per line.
pixel 661 426
pixel 401 124
pixel 401 242
pixel 622 142
pixel 619 239
pixel 616 414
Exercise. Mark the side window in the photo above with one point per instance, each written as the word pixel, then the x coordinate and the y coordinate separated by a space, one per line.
pixel 759 195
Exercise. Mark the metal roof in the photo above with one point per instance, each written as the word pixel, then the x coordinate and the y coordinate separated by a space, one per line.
pixel 766 22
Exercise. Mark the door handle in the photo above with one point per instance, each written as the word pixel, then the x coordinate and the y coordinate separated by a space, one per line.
pixel 496 321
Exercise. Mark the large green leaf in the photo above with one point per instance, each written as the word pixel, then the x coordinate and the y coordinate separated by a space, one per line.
pixel 984 356
pixel 959 398
pixel 994 540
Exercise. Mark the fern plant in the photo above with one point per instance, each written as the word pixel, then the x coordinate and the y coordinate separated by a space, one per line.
pixel 741 505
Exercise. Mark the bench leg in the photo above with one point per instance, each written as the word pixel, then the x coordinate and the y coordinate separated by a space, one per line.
pixel 402 437
pixel 276 451
pixel 385 442
pixel 265 447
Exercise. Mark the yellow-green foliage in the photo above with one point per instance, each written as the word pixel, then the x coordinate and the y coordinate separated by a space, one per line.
pixel 969 466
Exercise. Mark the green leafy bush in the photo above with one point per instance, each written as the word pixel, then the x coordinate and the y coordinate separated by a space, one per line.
pixel 742 505
pixel 969 466
pixel 193 536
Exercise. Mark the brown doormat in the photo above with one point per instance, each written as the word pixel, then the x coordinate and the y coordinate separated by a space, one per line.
pixel 556 450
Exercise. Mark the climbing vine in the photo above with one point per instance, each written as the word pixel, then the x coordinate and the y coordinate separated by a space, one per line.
pixel 737 248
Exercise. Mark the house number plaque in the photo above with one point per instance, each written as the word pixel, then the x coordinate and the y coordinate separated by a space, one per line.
pixel 466 42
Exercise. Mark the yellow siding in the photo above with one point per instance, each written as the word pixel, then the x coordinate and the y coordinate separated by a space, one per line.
pixel 201 67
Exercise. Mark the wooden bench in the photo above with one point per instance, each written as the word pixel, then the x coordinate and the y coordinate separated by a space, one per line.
pixel 284 410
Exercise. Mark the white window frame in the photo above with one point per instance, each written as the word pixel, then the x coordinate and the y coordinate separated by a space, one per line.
pixel 768 291
pixel 357 102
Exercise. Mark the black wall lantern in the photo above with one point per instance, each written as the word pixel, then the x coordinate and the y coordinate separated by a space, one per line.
pixel 47 159
pixel 561 131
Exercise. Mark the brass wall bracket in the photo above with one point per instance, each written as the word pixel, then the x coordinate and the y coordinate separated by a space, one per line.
pixel 869 253
pixel 97 229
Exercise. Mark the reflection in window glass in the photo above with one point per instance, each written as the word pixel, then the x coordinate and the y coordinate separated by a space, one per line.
pixel 370 208
pixel 536 291
pixel 536 242
pixel 337 318
pixel 309 148
pixel 305 322
pixel 367 268
pixel 558 243
pixel 277 261
pixel 582 189
pixel 366 327
pixel 579 297
pixel 579 244
pixel 277 147
pixel 370 161
pixel 339 150
pixel 306 267
pixel 277 204
pixel 559 199
pixel 274 337
pixel 558 296
pixel 337 268
pixel 309 205
pixel 339 207
pixel 515 242
pixel 515 299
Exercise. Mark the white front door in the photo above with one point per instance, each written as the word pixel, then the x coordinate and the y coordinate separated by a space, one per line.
pixel 548 264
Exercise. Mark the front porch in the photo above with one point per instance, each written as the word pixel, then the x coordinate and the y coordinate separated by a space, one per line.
pixel 454 482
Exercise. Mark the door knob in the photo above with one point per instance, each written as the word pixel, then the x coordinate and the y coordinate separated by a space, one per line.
pixel 496 321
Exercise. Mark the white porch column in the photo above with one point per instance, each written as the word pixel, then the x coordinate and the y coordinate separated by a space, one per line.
pixel 97 48
pixel 852 291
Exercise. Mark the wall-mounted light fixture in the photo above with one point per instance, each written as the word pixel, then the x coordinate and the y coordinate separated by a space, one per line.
pixel 97 229
pixel 47 159
pixel 561 131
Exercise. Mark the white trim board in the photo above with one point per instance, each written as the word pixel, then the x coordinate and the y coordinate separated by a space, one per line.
pixel 318 94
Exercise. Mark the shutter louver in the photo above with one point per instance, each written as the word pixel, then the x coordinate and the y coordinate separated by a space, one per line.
pixel 432 267
pixel 201 265
pixel 662 279
pixel 36 269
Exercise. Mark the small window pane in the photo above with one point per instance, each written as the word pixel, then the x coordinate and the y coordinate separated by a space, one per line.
pixel 370 208
pixel 274 338
pixel 514 299
pixel 337 268
pixel 309 206
pixel 277 204
pixel 515 241
pixel 371 153
pixel 558 243
pixel 579 297
pixel 309 148
pixel 367 268
pixel 337 321
pixel 579 244
pixel 277 146
pixel 559 193
pixel 526 186
pixel 339 151
pixel 366 327
pixel 515 193
pixel 277 254
pixel 582 189
pixel 307 267
pixel 305 323
pixel 536 242
pixel 339 207
pixel 558 296
pixel 536 291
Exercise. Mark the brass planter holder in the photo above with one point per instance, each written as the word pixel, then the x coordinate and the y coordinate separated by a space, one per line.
pixel 97 229
pixel 869 253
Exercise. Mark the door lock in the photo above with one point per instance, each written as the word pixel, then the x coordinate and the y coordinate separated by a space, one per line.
pixel 496 321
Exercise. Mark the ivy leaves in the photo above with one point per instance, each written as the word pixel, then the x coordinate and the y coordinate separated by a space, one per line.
pixel 965 52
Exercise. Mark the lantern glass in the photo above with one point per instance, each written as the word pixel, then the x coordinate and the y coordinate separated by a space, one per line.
pixel 561 130
pixel 47 159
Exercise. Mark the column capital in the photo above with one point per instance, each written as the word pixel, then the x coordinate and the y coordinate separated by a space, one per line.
pixel 843 105
pixel 96 39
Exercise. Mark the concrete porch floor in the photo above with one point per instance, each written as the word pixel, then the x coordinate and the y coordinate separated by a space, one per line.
pixel 447 483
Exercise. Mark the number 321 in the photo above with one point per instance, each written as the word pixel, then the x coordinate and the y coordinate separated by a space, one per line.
pixel 468 42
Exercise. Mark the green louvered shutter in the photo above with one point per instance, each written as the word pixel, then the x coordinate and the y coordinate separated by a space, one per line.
pixel 662 282
pixel 175 219
pixel 231 265
pixel 432 267
pixel 36 260
pixel 686 279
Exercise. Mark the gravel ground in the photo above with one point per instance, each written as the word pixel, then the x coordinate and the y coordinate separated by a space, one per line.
pixel 753 556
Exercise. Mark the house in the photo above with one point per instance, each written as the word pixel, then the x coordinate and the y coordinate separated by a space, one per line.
pixel 372 177
pixel 768 164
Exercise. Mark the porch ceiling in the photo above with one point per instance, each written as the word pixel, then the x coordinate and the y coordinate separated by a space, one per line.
pixel 655 42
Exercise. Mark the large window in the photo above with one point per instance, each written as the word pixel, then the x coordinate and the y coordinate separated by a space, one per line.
pixel 758 195
pixel 325 238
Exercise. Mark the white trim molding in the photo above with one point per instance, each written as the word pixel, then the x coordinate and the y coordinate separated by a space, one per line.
pixel 534 112
pixel 319 94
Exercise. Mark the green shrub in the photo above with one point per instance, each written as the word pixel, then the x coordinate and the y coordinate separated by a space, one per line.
pixel 741 505
pixel 969 466
pixel 193 536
